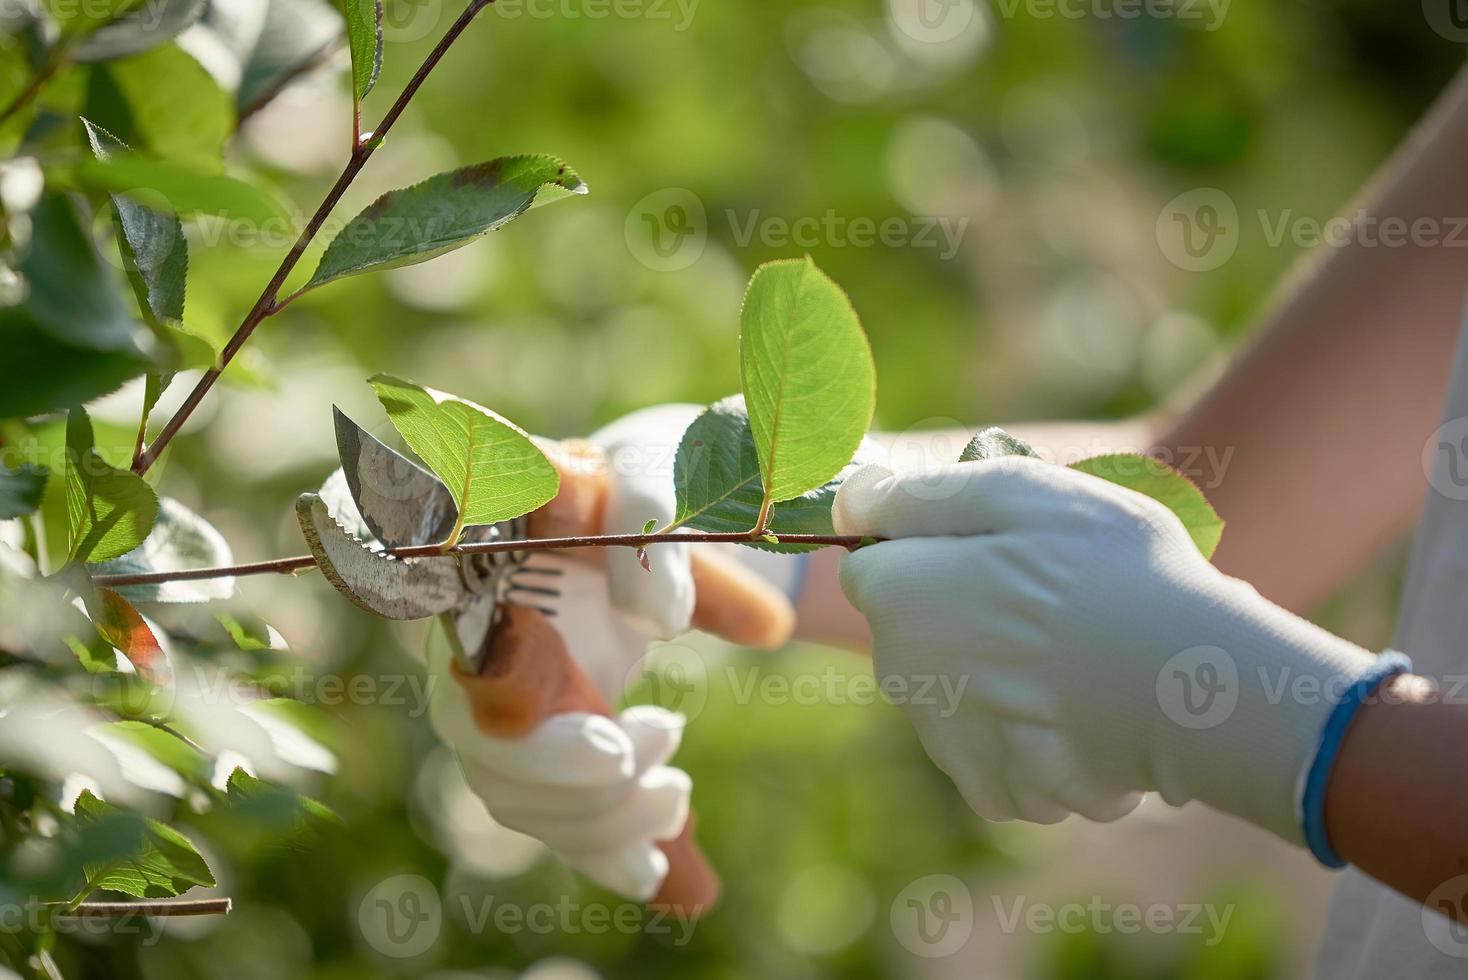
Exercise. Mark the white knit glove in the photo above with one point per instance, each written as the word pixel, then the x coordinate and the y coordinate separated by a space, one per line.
pixel 597 790
pixel 1100 655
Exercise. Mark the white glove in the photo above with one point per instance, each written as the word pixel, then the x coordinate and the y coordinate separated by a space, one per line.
pixel 594 789
pixel 1100 655
pixel 639 450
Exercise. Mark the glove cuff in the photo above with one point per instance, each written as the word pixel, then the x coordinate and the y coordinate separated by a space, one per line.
pixel 1314 780
pixel 1244 713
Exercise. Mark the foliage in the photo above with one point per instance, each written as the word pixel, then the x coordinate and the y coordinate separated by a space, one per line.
pixel 364 35
pixel 1166 485
pixel 994 442
pixel 719 488
pixel 21 490
pixel 1140 474
pixel 443 213
pixel 110 511
pixel 163 864
pixel 809 381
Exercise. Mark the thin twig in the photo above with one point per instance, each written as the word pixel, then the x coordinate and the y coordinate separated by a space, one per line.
pixel 266 304
pixel 296 564
pixel 168 729
pixel 280 566
pixel 123 910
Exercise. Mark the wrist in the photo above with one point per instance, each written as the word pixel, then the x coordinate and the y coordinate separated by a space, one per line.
pixel 1314 785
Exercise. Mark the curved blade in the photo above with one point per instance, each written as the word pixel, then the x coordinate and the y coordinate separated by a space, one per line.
pixel 403 504
pixel 397 588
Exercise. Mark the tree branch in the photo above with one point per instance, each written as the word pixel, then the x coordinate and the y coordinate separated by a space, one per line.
pixel 122 910
pixel 266 305
pixel 281 566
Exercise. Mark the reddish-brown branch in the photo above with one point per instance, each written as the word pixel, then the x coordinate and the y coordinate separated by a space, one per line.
pixel 283 566
pixel 123 910
pixel 266 305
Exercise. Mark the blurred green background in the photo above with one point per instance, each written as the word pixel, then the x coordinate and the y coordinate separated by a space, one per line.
pixel 1051 144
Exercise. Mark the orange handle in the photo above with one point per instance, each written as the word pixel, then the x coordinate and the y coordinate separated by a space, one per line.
pixel 530 675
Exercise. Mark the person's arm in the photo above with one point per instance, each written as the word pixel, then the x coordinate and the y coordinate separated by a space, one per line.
pixel 1396 800
pixel 1309 445
pixel 1323 418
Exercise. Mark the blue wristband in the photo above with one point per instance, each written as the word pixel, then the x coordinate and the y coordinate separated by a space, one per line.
pixel 1312 801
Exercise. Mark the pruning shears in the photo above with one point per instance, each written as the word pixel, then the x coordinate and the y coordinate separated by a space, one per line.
pixel 396 504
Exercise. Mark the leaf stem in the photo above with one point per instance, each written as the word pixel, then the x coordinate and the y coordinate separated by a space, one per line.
pixel 266 305
pixel 300 562
pixel 762 523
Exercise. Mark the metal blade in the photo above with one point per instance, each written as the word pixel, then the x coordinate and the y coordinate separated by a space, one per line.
pixel 402 503
pixel 397 588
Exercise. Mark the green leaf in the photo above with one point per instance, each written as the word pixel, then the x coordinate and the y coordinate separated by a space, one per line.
pixel 716 476
pixel 21 490
pixel 1166 485
pixel 809 380
pixel 72 295
pixel 364 32
pixel 34 385
pixel 154 251
pixel 993 443
pixel 137 31
pixel 109 511
pixel 445 212
pixel 77 18
pixel 164 863
pixel 242 789
pixel 183 188
pixel 488 463
pixel 252 635
pixel 174 108
pixel 180 540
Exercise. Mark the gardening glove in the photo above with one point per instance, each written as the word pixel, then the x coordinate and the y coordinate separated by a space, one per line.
pixel 537 739
pixel 1096 652
pixel 596 789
